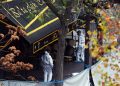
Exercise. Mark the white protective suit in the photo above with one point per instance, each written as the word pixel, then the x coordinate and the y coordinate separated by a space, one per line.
pixel 47 64
pixel 80 48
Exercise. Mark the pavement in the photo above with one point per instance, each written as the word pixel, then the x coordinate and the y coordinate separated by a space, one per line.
pixel 69 68
pixel 72 67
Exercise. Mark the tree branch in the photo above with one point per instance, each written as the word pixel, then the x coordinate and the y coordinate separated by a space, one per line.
pixel 53 8
pixel 68 11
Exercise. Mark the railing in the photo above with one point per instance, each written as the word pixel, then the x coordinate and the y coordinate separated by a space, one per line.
pixel 24 83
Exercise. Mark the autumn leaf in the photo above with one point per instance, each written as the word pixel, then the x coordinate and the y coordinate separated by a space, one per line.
pixel 105 64
pixel 2 35
pixel 94 54
pixel 12 48
pixel 11 27
pixel 103 59
pixel 14 37
pixel 21 31
pixel 2 17
pixel 86 46
pixel 94 32
pixel 117 76
pixel 89 32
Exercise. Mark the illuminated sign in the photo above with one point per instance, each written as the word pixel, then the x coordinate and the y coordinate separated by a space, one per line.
pixel 36 18
pixel 40 44
pixel 32 15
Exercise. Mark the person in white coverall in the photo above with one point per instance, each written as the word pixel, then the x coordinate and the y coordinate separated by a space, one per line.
pixel 80 48
pixel 47 64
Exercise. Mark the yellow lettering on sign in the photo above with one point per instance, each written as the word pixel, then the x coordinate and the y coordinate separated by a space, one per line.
pixel 18 11
pixel 33 7
pixel 14 12
pixel 28 7
pixel 13 17
pixel 34 4
pixel 24 10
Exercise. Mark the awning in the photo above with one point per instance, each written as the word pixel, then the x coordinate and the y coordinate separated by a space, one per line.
pixel 34 16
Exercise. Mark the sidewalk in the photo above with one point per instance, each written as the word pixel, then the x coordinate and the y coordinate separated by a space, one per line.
pixel 72 67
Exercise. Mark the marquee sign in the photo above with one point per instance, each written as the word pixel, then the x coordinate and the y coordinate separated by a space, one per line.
pixel 35 17
pixel 40 44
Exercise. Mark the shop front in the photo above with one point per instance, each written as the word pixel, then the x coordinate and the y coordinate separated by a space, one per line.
pixel 40 24
pixel 38 21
